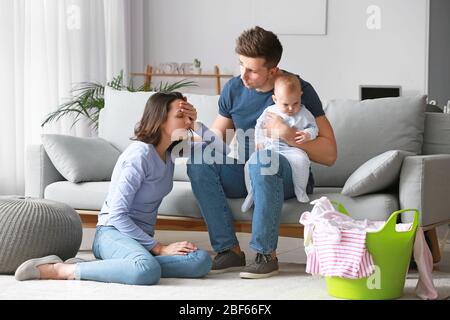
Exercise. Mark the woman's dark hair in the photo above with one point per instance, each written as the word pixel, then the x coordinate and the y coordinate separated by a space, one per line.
pixel 260 43
pixel 148 130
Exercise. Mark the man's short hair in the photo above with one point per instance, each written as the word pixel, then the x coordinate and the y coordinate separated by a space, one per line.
pixel 260 43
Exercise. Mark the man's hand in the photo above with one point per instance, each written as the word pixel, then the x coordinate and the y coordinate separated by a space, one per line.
pixel 302 137
pixel 188 110
pixel 177 248
pixel 274 125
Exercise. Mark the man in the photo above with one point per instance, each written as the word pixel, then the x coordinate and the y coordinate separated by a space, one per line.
pixel 242 101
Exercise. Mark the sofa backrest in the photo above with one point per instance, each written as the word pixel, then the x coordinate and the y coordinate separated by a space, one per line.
pixel 123 109
pixel 364 129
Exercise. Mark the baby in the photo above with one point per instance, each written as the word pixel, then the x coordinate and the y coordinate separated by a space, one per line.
pixel 287 98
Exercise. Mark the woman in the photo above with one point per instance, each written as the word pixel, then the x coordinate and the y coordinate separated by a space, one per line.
pixel 142 177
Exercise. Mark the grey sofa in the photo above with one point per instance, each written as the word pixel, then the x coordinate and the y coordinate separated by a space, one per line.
pixel 363 130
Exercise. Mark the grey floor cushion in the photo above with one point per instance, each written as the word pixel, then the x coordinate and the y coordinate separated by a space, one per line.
pixel 32 228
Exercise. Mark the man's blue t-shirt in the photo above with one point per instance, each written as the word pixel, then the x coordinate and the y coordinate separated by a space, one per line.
pixel 244 106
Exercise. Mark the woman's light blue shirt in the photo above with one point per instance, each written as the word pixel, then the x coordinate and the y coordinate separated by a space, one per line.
pixel 140 180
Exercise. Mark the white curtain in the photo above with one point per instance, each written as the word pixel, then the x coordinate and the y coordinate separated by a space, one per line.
pixel 46 46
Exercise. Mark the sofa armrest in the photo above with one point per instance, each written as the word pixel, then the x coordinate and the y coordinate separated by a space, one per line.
pixel 425 185
pixel 39 171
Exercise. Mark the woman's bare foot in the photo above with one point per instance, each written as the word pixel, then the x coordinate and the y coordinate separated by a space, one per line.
pixel 57 271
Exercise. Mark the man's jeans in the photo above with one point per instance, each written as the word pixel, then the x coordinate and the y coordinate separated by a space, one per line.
pixel 124 260
pixel 272 184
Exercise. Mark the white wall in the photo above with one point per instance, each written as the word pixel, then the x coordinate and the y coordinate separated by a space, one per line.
pixel 336 63
pixel 137 44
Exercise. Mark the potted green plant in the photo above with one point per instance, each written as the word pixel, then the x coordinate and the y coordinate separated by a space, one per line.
pixel 88 98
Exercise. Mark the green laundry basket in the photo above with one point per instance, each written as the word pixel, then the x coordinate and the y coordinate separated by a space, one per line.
pixel 391 252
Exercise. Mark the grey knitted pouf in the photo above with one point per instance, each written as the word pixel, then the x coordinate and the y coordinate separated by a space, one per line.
pixel 32 228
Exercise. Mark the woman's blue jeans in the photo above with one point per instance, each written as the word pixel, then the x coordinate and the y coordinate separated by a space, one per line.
pixel 123 260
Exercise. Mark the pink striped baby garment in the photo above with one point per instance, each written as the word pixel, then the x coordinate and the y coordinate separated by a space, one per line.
pixel 347 257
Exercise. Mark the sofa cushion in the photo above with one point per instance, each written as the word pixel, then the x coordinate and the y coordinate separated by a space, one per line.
pixel 81 159
pixel 180 202
pixel 124 109
pixel 436 138
pixel 180 170
pixel 365 129
pixel 86 195
pixel 375 174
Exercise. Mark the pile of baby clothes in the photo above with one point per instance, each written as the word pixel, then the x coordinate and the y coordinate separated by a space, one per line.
pixel 335 245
